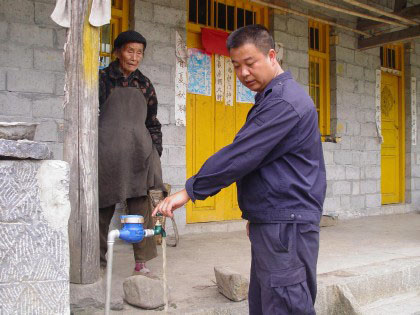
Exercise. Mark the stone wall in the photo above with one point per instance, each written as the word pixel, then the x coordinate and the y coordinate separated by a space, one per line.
pixel 32 68
pixel 34 253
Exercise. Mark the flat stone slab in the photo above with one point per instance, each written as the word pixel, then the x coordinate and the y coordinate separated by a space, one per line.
pixel 23 149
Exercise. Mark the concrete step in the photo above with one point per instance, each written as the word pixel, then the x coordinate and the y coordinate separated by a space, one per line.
pixel 356 290
pixel 403 304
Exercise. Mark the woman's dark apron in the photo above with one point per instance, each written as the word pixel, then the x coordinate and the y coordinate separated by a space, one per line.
pixel 129 164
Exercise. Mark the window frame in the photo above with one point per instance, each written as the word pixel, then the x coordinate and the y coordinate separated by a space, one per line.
pixel 394 51
pixel 320 56
pixel 260 14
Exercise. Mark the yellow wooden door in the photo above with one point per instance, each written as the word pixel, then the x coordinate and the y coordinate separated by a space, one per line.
pixel 211 125
pixel 391 177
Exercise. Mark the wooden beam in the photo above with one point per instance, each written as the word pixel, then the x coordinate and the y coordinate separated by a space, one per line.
pixel 350 12
pixel 410 12
pixel 387 38
pixel 81 142
pixel 291 11
pixel 379 11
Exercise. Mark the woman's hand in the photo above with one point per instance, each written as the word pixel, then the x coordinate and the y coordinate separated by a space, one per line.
pixel 168 205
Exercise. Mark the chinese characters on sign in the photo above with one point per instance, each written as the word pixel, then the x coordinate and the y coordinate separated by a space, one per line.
pixel 220 77
pixel 180 81
pixel 229 83
pixel 413 111
pixel 378 105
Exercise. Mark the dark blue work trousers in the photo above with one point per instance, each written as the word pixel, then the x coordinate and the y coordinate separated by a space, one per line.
pixel 283 268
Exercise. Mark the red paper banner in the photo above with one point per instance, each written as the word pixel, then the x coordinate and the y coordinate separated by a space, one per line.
pixel 214 41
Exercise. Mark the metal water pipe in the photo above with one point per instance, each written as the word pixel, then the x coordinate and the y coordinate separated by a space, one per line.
pixel 131 232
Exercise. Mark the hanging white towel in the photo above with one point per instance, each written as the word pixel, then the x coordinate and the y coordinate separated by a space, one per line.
pixel 100 13
pixel 61 13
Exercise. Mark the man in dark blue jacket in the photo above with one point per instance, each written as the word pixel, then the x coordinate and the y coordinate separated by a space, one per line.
pixel 277 163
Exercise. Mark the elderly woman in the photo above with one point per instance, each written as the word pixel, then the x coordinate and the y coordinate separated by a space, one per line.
pixel 130 142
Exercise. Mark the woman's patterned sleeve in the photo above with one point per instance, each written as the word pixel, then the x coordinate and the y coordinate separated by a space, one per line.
pixel 152 123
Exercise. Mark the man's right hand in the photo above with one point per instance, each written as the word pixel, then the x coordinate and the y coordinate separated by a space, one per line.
pixel 168 205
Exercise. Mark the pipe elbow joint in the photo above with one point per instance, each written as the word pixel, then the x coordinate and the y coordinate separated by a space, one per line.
pixel 113 235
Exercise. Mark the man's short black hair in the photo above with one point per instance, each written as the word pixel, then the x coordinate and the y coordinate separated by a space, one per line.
pixel 252 34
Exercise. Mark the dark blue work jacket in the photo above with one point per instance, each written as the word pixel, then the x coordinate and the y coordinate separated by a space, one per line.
pixel 275 159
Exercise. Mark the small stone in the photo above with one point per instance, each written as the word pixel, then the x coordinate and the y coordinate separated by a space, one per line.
pixel 143 292
pixel 328 220
pixel 231 284
pixel 24 149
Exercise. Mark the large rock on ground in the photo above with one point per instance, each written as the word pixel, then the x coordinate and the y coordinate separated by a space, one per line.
pixel 231 284
pixel 144 292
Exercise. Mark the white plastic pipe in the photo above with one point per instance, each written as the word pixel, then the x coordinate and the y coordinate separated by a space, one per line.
pixel 111 239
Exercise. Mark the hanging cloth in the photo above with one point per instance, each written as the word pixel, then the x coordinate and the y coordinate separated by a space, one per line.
pixel 61 13
pixel 100 13
pixel 214 41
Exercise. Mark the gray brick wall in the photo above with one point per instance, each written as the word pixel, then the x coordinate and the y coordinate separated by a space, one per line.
pixel 32 68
